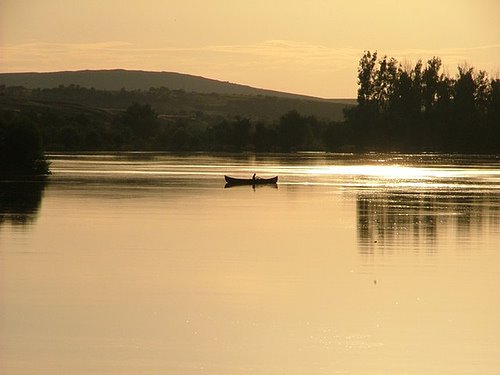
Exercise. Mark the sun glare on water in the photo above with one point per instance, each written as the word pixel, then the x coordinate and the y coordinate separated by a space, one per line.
pixel 395 176
pixel 383 171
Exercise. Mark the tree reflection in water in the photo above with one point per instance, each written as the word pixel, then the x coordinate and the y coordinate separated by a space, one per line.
pixel 418 220
pixel 20 201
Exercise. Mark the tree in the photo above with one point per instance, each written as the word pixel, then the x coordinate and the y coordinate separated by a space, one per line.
pixel 465 88
pixel 240 133
pixel 430 83
pixel 482 92
pixel 493 115
pixel 401 107
pixel 294 131
pixel 366 79
pixel 21 151
pixel 494 101
pixel 385 80
pixel 141 119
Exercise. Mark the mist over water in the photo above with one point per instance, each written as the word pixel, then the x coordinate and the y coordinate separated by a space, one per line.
pixel 140 263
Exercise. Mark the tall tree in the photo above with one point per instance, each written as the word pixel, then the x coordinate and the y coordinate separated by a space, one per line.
pixel 482 92
pixel 430 83
pixel 465 89
pixel 366 79
pixel 385 80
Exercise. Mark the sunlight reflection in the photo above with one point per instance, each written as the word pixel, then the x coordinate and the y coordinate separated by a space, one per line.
pixel 395 171
pixel 343 171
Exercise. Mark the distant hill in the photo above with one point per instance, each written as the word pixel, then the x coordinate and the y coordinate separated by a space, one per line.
pixel 168 102
pixel 143 80
pixel 168 93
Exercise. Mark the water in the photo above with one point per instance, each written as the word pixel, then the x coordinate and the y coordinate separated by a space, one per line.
pixel 145 264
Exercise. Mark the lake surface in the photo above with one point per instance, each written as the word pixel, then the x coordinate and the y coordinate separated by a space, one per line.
pixel 144 263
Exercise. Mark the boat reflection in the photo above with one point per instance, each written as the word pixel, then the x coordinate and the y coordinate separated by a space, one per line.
pixel 255 186
pixel 20 201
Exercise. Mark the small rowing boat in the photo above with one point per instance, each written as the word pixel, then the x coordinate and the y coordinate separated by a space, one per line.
pixel 250 181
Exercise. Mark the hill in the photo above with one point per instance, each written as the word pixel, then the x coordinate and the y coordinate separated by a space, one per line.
pixel 179 102
pixel 76 126
pixel 143 80
pixel 123 110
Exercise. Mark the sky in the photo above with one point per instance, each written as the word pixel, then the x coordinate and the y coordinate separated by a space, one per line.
pixel 309 47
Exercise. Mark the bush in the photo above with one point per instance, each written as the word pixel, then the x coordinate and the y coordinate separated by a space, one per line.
pixel 21 151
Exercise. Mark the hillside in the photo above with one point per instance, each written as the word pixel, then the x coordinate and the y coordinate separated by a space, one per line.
pixel 142 80
pixel 88 111
pixel 175 102
pixel 76 126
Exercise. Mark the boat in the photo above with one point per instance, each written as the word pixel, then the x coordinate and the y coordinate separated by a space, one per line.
pixel 251 181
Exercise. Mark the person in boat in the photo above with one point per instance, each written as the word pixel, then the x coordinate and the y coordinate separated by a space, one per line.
pixel 253 177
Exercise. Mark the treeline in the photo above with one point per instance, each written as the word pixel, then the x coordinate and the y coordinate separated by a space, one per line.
pixel 420 108
pixel 139 127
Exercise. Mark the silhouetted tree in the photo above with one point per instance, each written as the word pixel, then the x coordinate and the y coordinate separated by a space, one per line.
pixel 430 83
pixel 265 137
pixel 21 151
pixel 294 131
pixel 366 79
pixel 482 92
pixel 464 90
pixel 141 119
pixel 241 133
pixel 385 80
pixel 493 109
pixel 420 108
pixel 336 136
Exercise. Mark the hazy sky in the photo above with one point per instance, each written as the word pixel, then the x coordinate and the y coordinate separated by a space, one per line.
pixel 303 46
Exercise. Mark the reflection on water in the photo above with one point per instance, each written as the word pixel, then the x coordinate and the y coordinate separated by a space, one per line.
pixel 20 201
pixel 396 218
pixel 143 263
pixel 243 186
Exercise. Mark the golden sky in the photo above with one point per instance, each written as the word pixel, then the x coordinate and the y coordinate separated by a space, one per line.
pixel 302 46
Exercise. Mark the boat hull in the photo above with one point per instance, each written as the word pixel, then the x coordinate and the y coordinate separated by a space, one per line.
pixel 250 181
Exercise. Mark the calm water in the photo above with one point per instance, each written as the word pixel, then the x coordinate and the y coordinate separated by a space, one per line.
pixel 145 264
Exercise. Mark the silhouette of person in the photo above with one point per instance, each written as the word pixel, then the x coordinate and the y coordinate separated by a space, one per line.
pixel 253 177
